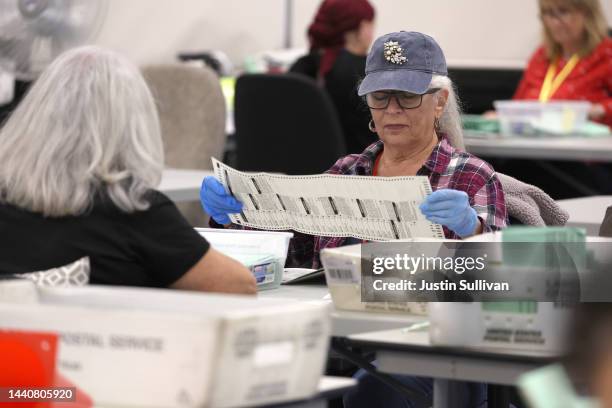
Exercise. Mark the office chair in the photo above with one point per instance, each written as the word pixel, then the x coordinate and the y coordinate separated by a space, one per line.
pixel 479 87
pixel 192 115
pixel 285 123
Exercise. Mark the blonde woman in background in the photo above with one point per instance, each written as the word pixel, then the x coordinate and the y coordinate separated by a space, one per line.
pixel 575 59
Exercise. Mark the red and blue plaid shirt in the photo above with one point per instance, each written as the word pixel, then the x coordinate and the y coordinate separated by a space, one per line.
pixel 446 167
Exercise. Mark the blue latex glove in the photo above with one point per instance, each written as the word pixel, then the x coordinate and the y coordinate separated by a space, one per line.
pixel 216 202
pixel 451 208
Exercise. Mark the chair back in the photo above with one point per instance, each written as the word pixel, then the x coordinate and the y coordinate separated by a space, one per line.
pixel 192 115
pixel 529 205
pixel 285 123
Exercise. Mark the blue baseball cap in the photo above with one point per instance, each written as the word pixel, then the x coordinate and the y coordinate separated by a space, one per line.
pixel 403 61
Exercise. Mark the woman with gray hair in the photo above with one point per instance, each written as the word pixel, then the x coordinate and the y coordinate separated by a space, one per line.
pixel 416 117
pixel 79 162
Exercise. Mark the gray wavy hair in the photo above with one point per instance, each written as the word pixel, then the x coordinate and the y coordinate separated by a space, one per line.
pixel 88 125
pixel 450 121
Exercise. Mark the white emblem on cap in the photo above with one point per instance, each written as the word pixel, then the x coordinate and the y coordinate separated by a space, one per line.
pixel 393 53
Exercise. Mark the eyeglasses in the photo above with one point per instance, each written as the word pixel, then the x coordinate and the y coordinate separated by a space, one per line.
pixel 556 13
pixel 406 100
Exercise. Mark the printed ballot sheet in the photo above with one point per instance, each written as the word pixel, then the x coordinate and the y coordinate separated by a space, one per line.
pixel 368 208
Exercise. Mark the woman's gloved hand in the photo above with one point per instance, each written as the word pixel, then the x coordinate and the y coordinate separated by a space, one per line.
pixel 452 209
pixel 216 202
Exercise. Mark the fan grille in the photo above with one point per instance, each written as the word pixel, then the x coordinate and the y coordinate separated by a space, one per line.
pixel 34 32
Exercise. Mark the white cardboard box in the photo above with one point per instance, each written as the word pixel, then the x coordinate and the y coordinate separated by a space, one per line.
pixel 162 348
pixel 343 276
pixel 540 326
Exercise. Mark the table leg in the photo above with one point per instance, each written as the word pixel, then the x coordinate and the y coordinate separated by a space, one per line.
pixel 447 393
pixel 498 396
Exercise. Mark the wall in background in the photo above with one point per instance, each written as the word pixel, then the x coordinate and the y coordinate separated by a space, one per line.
pixel 150 31
pixel 488 33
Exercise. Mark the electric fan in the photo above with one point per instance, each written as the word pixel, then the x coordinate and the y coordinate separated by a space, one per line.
pixel 34 32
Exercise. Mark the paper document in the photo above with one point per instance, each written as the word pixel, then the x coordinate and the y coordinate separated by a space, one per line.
pixel 368 208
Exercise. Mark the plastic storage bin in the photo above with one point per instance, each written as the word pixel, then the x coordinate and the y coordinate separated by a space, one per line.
pixel 533 117
pixel 479 124
pixel 264 252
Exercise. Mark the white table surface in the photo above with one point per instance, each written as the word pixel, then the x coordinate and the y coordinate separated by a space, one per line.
pixel 551 148
pixel 327 385
pixel 182 185
pixel 344 323
pixel 420 338
pixel 587 212
pixel 305 292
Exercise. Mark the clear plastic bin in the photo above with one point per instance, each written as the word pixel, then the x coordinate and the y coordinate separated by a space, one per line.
pixel 534 117
pixel 252 245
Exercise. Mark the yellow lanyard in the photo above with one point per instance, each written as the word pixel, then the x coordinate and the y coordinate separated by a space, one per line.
pixel 552 82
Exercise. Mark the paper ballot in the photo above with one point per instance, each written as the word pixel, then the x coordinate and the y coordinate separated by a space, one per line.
pixel 368 208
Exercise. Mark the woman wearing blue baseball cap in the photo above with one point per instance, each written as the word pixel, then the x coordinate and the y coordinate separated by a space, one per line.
pixel 416 117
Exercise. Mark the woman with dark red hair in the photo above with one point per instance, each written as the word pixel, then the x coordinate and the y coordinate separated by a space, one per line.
pixel 340 37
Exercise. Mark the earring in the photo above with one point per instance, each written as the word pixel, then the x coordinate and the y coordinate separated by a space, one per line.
pixel 371 126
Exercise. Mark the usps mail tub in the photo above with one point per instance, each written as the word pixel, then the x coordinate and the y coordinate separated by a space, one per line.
pixel 532 117
pixel 520 325
pixel 164 348
pixel 343 275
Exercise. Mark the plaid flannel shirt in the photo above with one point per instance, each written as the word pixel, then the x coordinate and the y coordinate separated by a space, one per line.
pixel 446 167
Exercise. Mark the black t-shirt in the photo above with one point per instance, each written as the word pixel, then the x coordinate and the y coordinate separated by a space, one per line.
pixel 307 65
pixel 150 248
pixel 341 83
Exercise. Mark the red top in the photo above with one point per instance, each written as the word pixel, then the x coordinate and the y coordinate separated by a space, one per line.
pixel 590 80
pixel 376 162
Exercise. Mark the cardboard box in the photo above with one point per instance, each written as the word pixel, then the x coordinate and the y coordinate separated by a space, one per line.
pixel 163 348
pixel 343 276
pixel 524 325
pixel 18 291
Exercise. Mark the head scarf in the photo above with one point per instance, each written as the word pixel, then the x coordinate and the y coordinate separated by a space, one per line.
pixel 333 19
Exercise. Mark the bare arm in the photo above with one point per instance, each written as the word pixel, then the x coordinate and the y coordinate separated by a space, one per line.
pixel 216 272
